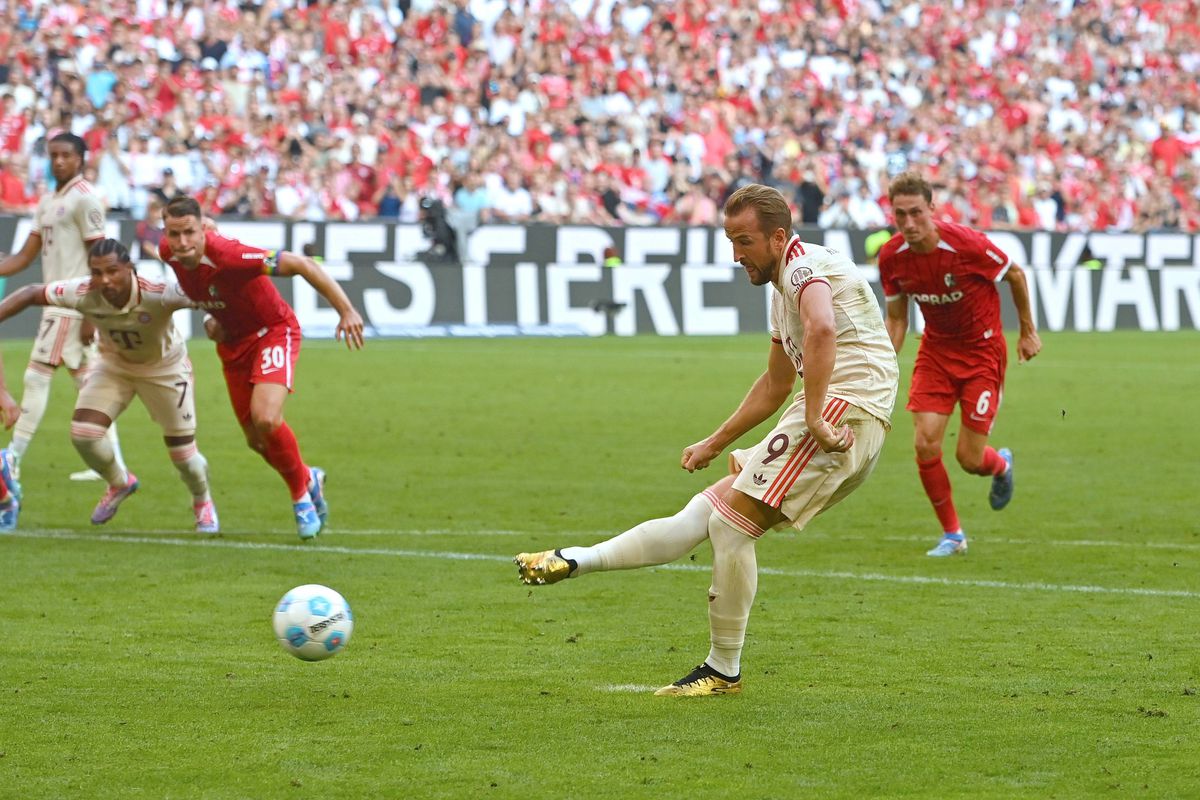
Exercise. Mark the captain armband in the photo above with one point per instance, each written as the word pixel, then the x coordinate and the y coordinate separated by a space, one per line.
pixel 271 264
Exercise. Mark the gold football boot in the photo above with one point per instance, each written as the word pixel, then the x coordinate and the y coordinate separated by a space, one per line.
pixel 703 681
pixel 541 569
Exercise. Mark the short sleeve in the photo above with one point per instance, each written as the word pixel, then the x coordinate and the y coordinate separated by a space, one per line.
pixel 887 277
pixel 66 294
pixel 990 261
pixel 173 297
pixel 89 216
pixel 230 254
pixel 798 275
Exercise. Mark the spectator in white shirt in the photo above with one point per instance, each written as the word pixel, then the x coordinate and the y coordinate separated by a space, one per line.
pixel 511 201
pixel 865 212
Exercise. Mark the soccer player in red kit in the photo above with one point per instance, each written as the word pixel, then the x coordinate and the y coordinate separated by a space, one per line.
pixel 258 338
pixel 952 272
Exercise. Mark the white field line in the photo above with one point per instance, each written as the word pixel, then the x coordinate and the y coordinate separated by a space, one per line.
pixel 583 537
pixel 322 549
pixel 633 688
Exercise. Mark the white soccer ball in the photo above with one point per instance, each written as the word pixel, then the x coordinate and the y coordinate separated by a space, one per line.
pixel 313 622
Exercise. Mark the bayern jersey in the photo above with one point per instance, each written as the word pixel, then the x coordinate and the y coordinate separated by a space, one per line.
pixel 142 333
pixel 955 285
pixel 68 221
pixel 231 283
pixel 865 372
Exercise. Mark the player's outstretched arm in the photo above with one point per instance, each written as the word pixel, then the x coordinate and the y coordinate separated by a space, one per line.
pixel 820 356
pixel 1029 344
pixel 765 397
pixel 896 320
pixel 350 326
pixel 32 295
pixel 14 263
pixel 26 296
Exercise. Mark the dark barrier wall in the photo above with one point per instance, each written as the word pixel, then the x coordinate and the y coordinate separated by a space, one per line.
pixel 549 280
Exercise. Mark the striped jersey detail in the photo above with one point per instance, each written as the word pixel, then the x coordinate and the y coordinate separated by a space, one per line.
pixel 734 518
pixel 794 249
pixel 835 409
pixel 87 430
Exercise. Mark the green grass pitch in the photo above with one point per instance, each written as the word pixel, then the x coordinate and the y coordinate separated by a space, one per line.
pixel 1058 659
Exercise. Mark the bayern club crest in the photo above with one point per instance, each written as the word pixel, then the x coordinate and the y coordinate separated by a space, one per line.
pixel 801 276
pixel 144 318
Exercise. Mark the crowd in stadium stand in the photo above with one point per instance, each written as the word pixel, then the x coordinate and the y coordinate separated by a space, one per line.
pixel 1058 115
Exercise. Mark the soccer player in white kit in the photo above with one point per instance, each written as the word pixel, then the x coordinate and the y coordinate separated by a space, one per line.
pixel 141 353
pixel 66 224
pixel 826 327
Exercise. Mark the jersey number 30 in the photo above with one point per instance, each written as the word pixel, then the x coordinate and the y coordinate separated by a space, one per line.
pixel 273 359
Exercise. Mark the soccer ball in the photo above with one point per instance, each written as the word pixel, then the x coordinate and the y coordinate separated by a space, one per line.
pixel 313 622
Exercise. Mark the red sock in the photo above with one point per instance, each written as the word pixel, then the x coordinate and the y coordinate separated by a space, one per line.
pixel 992 463
pixel 937 487
pixel 283 453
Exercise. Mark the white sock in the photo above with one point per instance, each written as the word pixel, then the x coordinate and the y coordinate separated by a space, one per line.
pixel 658 541
pixel 80 377
pixel 35 395
pixel 734 583
pixel 115 444
pixel 193 468
pixel 94 447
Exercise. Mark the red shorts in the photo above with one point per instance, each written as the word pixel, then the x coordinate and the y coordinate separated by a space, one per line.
pixel 972 378
pixel 268 358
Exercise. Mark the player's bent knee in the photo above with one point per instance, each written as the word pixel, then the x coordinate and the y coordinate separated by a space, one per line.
pixel 265 424
pixel 970 462
pixel 928 451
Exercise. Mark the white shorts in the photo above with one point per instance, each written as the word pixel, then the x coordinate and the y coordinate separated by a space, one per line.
pixel 168 397
pixel 788 470
pixel 57 342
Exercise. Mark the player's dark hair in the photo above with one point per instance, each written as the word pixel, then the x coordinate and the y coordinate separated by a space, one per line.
pixel 183 206
pixel 769 206
pixel 108 247
pixel 910 183
pixel 76 142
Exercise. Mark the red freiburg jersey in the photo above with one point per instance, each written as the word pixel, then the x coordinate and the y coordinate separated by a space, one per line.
pixel 955 285
pixel 231 283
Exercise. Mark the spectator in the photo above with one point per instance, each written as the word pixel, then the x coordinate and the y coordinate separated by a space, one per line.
pixel 1097 104
pixel 511 201
pixel 810 197
pixel 15 197
pixel 837 214
pixel 865 211
pixel 696 207
pixel 168 189
pixel 149 231
pixel 114 177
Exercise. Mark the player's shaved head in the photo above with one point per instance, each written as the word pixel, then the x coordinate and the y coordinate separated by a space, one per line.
pixel 769 207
